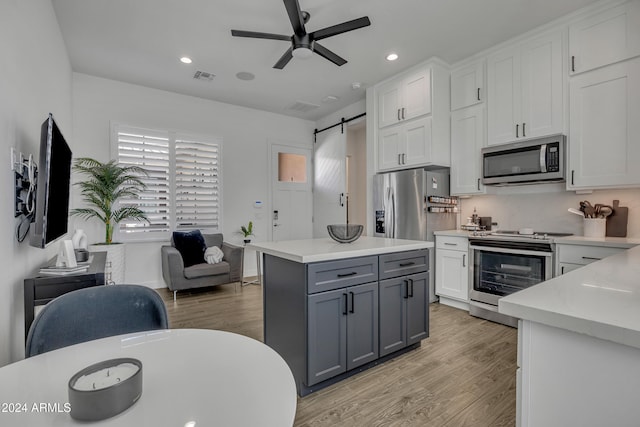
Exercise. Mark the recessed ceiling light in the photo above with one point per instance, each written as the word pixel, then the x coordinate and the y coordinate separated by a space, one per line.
pixel 392 57
pixel 330 98
pixel 186 60
pixel 245 75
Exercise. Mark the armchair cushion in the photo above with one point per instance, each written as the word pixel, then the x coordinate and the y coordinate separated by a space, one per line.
pixel 203 270
pixel 191 246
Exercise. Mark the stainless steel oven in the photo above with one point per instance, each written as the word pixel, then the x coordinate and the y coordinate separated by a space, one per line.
pixel 502 266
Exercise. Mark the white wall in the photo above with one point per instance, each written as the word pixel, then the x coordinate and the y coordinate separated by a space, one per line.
pixel 35 79
pixel 245 132
pixel 357 176
pixel 546 209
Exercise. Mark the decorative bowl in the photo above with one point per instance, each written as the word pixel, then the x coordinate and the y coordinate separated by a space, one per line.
pixel 345 233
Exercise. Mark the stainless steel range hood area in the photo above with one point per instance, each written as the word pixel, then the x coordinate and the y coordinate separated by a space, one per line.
pixel 534 161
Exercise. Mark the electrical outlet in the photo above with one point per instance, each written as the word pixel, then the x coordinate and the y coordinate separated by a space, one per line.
pixel 13 158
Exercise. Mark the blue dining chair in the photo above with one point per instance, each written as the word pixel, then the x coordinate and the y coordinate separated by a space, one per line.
pixel 96 312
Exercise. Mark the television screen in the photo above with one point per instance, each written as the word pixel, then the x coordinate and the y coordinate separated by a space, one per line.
pixel 52 189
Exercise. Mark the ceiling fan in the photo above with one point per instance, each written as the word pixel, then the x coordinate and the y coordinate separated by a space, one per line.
pixel 303 44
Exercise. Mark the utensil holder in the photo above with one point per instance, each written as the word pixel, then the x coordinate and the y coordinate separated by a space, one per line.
pixel 595 227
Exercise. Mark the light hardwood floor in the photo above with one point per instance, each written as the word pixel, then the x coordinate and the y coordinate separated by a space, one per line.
pixel 462 375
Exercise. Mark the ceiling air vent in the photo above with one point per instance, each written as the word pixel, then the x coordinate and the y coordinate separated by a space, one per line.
pixel 203 75
pixel 303 107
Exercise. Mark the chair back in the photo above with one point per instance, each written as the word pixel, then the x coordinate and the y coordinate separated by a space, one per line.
pixel 93 313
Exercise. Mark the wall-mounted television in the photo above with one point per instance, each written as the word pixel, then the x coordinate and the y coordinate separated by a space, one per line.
pixel 52 188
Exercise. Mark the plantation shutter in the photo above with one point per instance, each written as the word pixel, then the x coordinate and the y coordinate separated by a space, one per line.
pixel 149 150
pixel 197 183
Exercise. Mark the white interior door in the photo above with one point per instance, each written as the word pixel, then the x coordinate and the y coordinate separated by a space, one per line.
pixel 291 199
pixel 329 183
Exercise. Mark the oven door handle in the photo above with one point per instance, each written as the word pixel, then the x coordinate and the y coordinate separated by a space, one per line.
pixel 510 251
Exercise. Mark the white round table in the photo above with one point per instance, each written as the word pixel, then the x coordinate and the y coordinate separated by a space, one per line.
pixel 191 377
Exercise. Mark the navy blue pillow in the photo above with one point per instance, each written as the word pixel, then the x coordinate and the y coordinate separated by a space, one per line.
pixel 191 246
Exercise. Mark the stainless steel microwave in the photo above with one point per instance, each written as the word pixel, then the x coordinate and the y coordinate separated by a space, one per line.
pixel 535 160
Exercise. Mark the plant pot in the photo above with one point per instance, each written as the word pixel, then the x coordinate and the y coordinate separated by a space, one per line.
pixel 114 268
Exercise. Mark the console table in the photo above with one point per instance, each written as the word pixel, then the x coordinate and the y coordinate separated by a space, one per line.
pixel 41 289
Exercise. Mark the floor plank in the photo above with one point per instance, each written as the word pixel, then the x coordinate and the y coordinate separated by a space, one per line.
pixel 462 375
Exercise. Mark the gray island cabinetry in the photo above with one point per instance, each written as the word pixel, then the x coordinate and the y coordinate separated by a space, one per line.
pixel 332 310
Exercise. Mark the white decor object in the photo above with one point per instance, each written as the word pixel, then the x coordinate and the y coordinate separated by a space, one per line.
pixel 595 227
pixel 66 255
pixel 114 268
pixel 79 239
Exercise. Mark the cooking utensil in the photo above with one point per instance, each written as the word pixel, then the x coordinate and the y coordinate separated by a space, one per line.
pixel 525 231
pixel 576 211
pixel 589 210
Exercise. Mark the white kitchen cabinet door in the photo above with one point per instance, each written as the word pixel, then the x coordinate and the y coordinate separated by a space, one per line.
pixel 467 140
pixel 390 147
pixel 467 86
pixel 452 274
pixel 389 103
pixel 404 98
pixel 504 96
pixel 525 90
pixel 417 141
pixel 416 94
pixel 605 38
pixel 542 107
pixel 604 127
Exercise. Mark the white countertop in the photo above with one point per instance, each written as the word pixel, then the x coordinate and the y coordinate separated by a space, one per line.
pixel 601 300
pixel 613 242
pixel 327 249
pixel 452 233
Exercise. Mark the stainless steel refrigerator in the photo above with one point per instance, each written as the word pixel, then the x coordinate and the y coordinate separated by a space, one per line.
pixel 412 204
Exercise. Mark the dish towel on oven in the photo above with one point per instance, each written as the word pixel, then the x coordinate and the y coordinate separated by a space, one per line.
pixel 213 255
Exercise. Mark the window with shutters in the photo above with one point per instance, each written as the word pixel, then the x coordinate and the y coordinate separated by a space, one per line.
pixel 183 185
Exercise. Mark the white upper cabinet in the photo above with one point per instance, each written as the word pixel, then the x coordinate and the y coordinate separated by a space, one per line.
pixel 605 126
pixel 404 98
pixel 467 86
pixel 525 90
pixel 467 140
pixel 413 126
pixel 605 38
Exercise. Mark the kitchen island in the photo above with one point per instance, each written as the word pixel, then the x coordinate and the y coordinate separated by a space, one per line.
pixel 332 310
pixel 579 345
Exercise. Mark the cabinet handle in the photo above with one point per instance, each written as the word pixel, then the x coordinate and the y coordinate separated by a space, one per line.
pixel 344 305
pixel 517 127
pixel 478 184
pixel 573 64
pixel 399 159
pixel 524 129
pixel 562 270
pixel 399 114
pixel 572 175
pixel 352 303
pixel 402 113
pixel 406 264
pixel 591 258
pixel 406 289
pixel 353 273
pixel 464 260
pixel 411 287
pixel 450 244
pixel 478 94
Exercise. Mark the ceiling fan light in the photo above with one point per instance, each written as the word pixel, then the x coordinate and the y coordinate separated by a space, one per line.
pixel 302 53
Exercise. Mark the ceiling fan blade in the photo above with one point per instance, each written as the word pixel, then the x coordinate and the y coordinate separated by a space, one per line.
pixel 257 35
pixel 326 53
pixel 340 28
pixel 284 60
pixel 295 16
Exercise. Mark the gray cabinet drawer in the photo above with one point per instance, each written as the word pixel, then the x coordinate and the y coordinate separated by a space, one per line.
pixel 326 276
pixel 403 263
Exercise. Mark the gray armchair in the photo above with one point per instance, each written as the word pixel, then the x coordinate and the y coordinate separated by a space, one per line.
pixel 177 277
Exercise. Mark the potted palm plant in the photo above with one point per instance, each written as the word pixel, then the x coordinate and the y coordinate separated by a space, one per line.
pixel 247 232
pixel 102 186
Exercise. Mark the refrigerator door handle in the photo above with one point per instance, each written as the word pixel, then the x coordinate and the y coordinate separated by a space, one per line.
pixel 389 213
